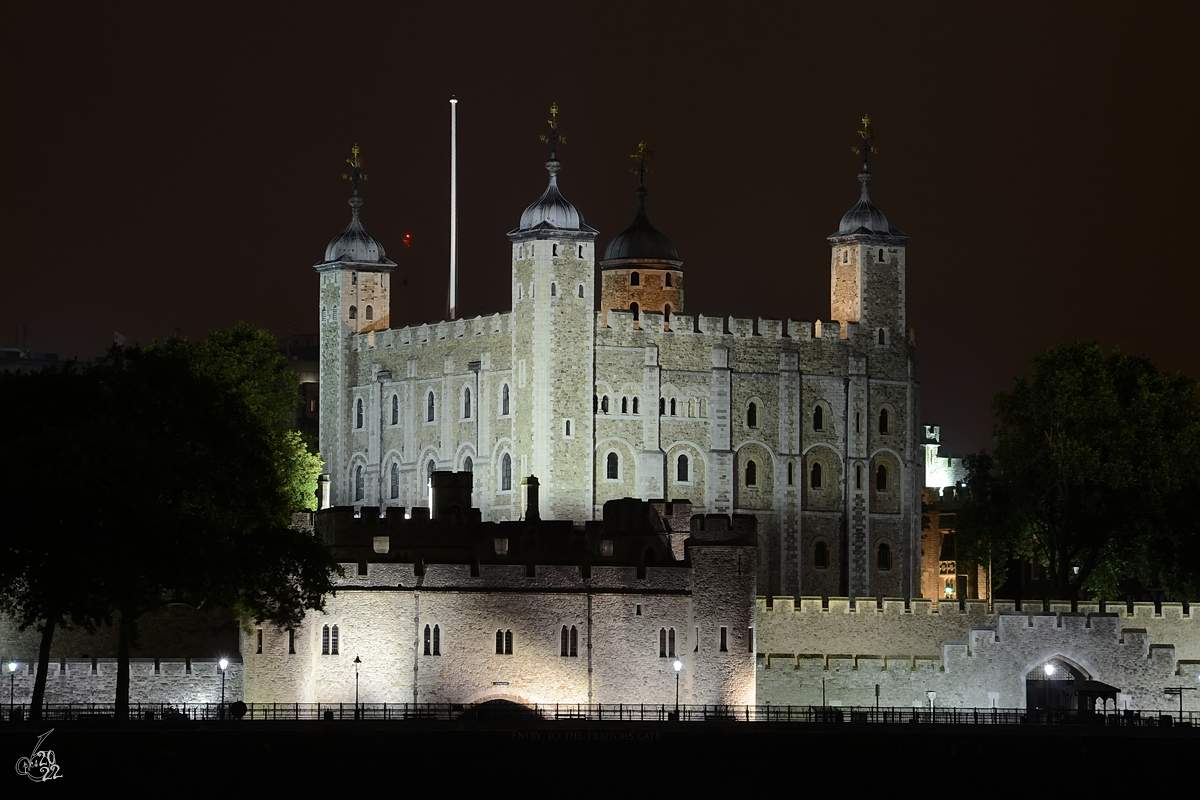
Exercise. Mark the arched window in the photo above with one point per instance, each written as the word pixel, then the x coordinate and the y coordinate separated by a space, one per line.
pixel 815 480
pixel 467 403
pixel 508 643
pixel 353 312
pixel 881 337
pixel 569 645
pixel 881 256
pixel 437 640
pixel 428 640
pixel 791 473
pixel 635 279
pixel 818 419
pixel 499 643
pixel 821 555
pixel 567 427
pixel 604 404
pixel 325 640
pixel 635 405
pixel 429 408
pixel 662 642
pixel 395 480
pixel 370 313
pixel 634 308
pixel 752 415
pixel 613 464
pixel 581 288
pixel 883 421
pixel 624 405
pixel 751 473
pixel 504 400
pixel 662 406
pixel 881 478
pixel 360 483
pixel 395 410
pixel 672 406
pixel 333 640
pixel 681 470
pixel 884 559
pixel 553 289
pixel 858 477
pixel 358 414
pixel 668 280
pixel 468 465
pixel 506 473
pixel 430 468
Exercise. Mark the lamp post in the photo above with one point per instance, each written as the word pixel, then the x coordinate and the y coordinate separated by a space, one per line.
pixel 931 695
pixel 357 661
pixel 12 677
pixel 223 663
pixel 678 665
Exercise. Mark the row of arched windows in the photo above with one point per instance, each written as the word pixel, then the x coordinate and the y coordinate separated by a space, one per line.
pixel 368 312
pixel 431 406
pixel 635 279
pixel 883 555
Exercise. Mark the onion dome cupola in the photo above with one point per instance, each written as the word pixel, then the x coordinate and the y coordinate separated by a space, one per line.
pixel 552 216
pixel 641 241
pixel 354 247
pixel 867 265
pixel 864 218
pixel 641 271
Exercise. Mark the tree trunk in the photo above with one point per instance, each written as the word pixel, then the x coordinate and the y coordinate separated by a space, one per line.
pixel 124 638
pixel 43 669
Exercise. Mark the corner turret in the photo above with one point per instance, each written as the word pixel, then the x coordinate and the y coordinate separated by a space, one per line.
pixel 867 269
pixel 641 270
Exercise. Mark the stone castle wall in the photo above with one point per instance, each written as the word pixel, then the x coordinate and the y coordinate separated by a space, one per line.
pixel 971 657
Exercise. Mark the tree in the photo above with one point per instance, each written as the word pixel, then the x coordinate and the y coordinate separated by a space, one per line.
pixel 191 480
pixel 1097 465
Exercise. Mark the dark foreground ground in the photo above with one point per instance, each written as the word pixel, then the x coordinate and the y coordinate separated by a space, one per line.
pixel 502 759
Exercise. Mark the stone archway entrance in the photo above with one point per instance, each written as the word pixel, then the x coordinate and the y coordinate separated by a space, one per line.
pixel 1051 684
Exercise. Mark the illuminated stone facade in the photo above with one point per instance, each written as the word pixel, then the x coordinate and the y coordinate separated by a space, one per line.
pixel 810 427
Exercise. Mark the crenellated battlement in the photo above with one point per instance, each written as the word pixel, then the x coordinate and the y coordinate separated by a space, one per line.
pixel 728 326
pixel 985 655
pixel 414 335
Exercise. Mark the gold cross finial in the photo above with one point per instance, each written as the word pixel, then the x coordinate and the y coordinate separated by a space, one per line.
pixel 867 149
pixel 553 139
pixel 643 157
pixel 356 174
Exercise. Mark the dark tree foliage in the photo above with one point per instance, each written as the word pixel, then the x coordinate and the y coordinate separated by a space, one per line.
pixel 170 476
pixel 1095 476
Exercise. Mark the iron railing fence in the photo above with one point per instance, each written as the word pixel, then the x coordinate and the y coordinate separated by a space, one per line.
pixel 605 712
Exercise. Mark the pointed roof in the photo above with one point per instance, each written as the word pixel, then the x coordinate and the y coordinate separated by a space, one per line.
pixel 354 245
pixel 864 218
pixel 552 215
pixel 641 241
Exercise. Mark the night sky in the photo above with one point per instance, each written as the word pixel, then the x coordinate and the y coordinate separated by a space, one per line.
pixel 170 167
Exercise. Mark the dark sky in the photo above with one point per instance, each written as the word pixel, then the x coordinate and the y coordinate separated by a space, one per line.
pixel 170 167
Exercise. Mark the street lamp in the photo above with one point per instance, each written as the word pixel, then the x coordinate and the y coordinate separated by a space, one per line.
pixel 12 677
pixel 223 663
pixel 357 661
pixel 678 665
